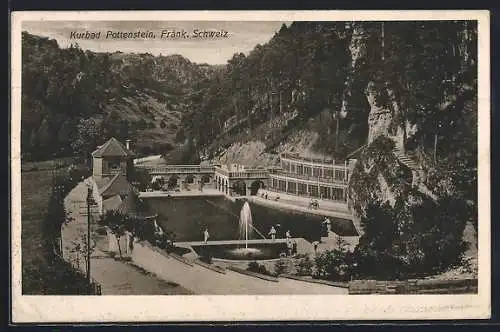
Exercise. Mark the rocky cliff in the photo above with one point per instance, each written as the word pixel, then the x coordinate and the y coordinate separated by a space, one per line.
pixel 396 165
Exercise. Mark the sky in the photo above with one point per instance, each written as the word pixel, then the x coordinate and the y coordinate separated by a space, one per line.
pixel 242 37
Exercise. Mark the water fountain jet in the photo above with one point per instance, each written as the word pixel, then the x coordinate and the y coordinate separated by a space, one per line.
pixel 240 250
pixel 246 223
pixel 246 231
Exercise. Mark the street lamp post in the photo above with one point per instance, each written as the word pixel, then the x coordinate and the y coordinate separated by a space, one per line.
pixel 90 201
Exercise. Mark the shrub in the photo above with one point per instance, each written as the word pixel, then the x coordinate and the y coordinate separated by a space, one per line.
pixel 416 237
pixel 304 265
pixel 172 181
pixel 334 265
pixel 253 266
pixel 145 230
pixel 77 173
pixel 206 257
pixel 258 268
pixel 165 240
pixel 158 184
pixel 140 178
pixel 281 267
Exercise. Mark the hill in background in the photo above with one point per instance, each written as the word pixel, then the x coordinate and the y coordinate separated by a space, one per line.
pixel 67 92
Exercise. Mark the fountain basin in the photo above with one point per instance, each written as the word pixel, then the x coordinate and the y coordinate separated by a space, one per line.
pixel 238 252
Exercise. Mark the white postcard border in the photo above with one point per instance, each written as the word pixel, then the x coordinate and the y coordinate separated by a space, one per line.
pixel 252 308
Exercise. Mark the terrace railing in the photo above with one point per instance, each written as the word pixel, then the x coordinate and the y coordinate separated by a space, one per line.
pixel 180 169
pixel 251 173
pixel 313 179
pixel 326 162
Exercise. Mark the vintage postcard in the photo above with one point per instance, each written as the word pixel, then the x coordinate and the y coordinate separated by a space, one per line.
pixel 237 166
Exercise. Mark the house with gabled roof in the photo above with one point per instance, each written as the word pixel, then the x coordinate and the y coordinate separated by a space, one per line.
pixel 112 162
pixel 111 158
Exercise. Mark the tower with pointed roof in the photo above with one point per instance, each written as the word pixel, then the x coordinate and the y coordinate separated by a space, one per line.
pixel 110 159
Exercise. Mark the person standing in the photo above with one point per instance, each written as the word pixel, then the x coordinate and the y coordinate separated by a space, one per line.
pixel 278 230
pixel 289 246
pixel 315 246
pixel 328 224
pixel 206 235
pixel 288 235
pixel 272 232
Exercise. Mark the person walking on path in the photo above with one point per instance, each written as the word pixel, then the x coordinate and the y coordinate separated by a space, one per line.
pixel 278 230
pixel 290 246
pixel 315 246
pixel 328 224
pixel 272 232
pixel 206 235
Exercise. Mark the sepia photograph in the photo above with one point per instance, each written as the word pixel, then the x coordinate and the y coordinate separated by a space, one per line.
pixel 260 156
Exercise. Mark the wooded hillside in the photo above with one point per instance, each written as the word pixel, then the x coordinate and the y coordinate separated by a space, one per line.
pixel 310 69
pixel 73 99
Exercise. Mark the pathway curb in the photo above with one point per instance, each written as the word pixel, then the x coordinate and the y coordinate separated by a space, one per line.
pixel 316 281
pixel 181 259
pixel 210 267
pixel 253 274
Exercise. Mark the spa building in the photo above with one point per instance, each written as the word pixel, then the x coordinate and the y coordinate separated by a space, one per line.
pixel 315 178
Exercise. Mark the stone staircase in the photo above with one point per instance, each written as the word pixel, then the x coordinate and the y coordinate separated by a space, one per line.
pixel 409 161
pixel 406 159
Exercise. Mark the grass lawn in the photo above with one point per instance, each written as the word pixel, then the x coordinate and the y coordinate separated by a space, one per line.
pixel 46 274
pixel 41 274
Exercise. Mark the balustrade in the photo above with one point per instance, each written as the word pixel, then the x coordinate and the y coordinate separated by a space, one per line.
pixel 312 179
pixel 316 162
pixel 171 169
pixel 244 174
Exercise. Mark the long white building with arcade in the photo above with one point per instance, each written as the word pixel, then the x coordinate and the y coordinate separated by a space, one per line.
pixel 298 176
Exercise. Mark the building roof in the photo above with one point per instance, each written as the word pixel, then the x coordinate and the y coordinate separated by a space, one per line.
pixel 112 148
pixel 128 205
pixel 118 185
pixel 112 203
pixel 133 206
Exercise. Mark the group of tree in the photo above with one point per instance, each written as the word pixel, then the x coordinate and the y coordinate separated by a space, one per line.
pixel 120 225
pixel 308 67
pixel 72 98
pixel 302 68
pixel 404 241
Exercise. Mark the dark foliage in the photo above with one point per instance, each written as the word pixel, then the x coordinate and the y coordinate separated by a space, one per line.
pixel 56 276
pixel 140 178
pixel 71 97
pixel 410 239
pixel 258 268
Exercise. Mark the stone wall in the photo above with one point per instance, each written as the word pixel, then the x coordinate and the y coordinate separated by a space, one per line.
pixel 414 286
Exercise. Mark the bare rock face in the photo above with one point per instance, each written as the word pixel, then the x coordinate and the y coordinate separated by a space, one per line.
pixel 380 118
pixel 358 45
pixel 358 49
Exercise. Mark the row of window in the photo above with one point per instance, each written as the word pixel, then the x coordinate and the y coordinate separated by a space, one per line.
pixel 328 172
pixel 302 189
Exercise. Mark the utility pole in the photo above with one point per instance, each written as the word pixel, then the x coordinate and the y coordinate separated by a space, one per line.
pixel 383 41
pixel 89 198
pixel 90 202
